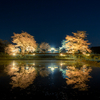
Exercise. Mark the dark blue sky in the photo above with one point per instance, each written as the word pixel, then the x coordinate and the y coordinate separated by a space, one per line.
pixel 50 20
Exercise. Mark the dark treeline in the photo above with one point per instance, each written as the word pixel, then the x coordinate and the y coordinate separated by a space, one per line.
pixel 95 49
pixel 3 44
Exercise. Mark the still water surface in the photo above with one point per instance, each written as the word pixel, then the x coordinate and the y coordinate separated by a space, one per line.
pixel 48 80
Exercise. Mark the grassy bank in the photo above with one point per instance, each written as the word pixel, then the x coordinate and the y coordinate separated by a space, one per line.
pixel 90 63
pixel 36 57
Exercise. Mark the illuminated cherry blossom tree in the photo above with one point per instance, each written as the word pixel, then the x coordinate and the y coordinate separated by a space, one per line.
pixel 25 41
pixel 11 49
pixel 30 49
pixel 77 43
pixel 78 77
pixel 44 47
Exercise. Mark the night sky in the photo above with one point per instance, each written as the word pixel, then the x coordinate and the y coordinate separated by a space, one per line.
pixel 50 20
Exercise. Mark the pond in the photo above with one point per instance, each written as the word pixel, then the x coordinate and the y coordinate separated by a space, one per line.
pixel 48 80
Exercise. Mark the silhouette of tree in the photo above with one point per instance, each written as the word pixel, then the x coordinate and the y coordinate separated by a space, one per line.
pixel 3 44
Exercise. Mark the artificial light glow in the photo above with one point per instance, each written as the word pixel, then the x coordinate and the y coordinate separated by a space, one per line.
pixel 33 63
pixel 14 54
pixel 61 54
pixel 61 64
pixel 52 48
pixel 84 53
pixel 13 68
pixel 13 64
pixel 27 67
pixel 33 68
pixel 33 53
pixel 52 68
pixel 87 54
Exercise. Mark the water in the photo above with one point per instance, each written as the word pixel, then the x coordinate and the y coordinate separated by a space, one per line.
pixel 48 80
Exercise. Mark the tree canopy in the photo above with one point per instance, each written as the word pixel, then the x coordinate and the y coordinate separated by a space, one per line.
pixel 25 41
pixel 44 47
pixel 77 43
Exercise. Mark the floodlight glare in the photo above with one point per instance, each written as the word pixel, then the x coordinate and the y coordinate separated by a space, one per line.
pixel 52 48
pixel 52 68
pixel 14 54
pixel 33 53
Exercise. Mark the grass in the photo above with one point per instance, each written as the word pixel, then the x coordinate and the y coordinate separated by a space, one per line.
pixel 90 63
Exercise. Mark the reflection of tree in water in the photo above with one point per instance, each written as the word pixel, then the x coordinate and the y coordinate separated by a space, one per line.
pixel 10 69
pixel 44 72
pixel 21 76
pixel 78 77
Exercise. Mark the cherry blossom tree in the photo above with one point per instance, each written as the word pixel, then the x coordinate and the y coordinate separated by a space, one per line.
pixel 44 47
pixel 77 43
pixel 30 49
pixel 25 41
pixel 11 49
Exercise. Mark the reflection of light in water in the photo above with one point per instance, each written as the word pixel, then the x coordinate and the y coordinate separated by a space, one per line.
pixel 33 68
pixel 61 64
pixel 14 54
pixel 61 54
pixel 34 54
pixel 13 64
pixel 52 67
pixel 13 68
pixel 34 64
pixel 84 67
pixel 63 73
pixel 27 67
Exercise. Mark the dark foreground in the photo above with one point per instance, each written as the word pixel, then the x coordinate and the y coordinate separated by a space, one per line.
pixel 49 80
